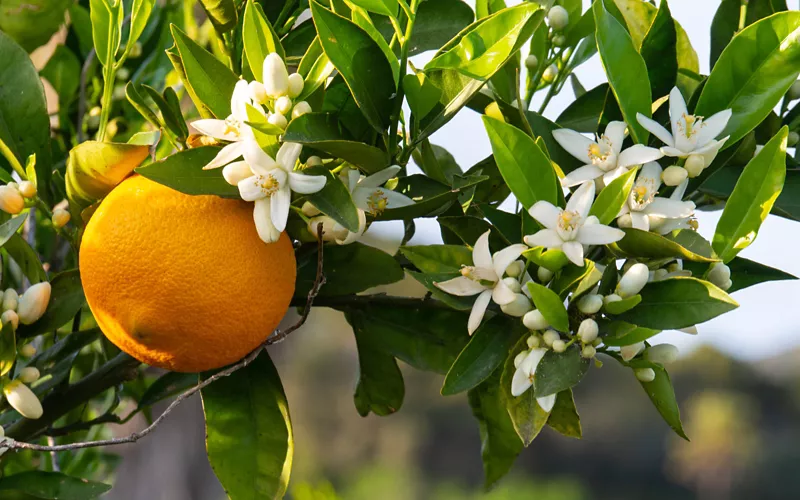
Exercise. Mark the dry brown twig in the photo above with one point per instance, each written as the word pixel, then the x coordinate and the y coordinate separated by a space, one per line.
pixel 276 337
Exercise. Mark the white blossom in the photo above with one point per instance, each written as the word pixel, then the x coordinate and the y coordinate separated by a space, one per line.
pixel 524 376
pixel 643 204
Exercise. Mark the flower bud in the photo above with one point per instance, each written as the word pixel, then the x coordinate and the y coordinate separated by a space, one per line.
pixel 27 351
pixel 794 91
pixel 694 165
pixel 518 307
pixel 10 316
pixel 660 274
pixel 674 175
pixel 550 336
pixel 534 341
pixel 663 354
pixel 22 399
pixel 628 352
pixel 676 266
pixel 793 138
pixel 645 374
pixel 33 303
pixel 559 345
pixel 719 274
pixel 590 304
pixel 136 50
pixel 27 189
pixel 257 92
pixel 534 320
pixel 531 62
pixel 544 274
pixel 60 218
pixel 310 210
pixel 314 161
pixel 559 40
pixel 550 73
pixel 235 172
pixel 691 330
pixel 329 232
pixel 123 74
pixel 10 299
pixel 278 120
pixel 515 269
pixel 11 201
pixel 558 18
pixel 513 284
pixel 633 280
pixel 29 374
pixel 493 111
pixel 300 109
pixel 625 221
pixel 588 351
pixel 283 105
pixel 611 298
pixel 588 330
pixel 296 85
pixel 519 358
pixel 275 76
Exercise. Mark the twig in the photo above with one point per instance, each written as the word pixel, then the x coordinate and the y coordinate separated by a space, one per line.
pixel 274 338
pixel 82 95
pixel 108 418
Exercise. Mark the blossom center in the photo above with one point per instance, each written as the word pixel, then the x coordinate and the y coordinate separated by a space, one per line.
pixel 690 125
pixel 568 223
pixel 268 184
pixel 601 154
pixel 485 277
pixel 232 126
pixel 377 202
pixel 642 195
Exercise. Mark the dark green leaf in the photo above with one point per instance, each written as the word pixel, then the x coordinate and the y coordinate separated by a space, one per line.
pixel 431 198
pixel 374 266
pixel 8 348
pixel 662 395
pixel 26 257
pixel 66 299
pixel 550 305
pixel 620 334
pixel 526 414
pixel 651 245
pixel 438 258
pixel 621 306
pixel 437 22
pixel 727 18
pixel 659 51
pixel 570 276
pixel 10 227
pixel 583 114
pixel 746 273
pixel 259 38
pixel 31 23
pixel 63 71
pixel 184 172
pixel 436 162
pixel 167 385
pixel 222 14
pixel 51 486
pixel 334 199
pixel 564 416
pixel 559 371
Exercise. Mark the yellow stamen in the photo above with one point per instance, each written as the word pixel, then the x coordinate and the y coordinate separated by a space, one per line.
pixel 377 202
pixel 268 184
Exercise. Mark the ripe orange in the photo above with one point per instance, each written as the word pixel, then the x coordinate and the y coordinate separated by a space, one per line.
pixel 183 282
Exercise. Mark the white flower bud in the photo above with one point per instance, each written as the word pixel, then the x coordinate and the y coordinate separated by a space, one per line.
pixel 794 91
pixel 513 284
pixel 633 280
pixel 550 336
pixel 278 120
pixel 534 341
pixel 22 399
pixel 628 352
pixel 534 320
pixel 625 221
pixel 691 330
pixel 27 189
pixel 27 351
pixel 10 316
pixel 283 105
pixel 544 274
pixel 645 374
pixel 660 274
pixel 588 330
pixel 329 232
pixel 310 210
pixel 11 201
pixel 257 92
pixel 275 76
pixel 10 299
pixel 314 161
pixel 296 85
pixel 588 351
pixel 300 109
pixel 559 345
pixel 515 269
pixel 519 358
pixel 676 266
pixel 719 274
pixel 60 218
pixel 590 304
pixel 674 175
pixel 531 62
pixel 518 307
pixel 611 298
pixel 29 374
pixel 725 286
pixel 235 172
pixel 33 303
pixel 793 138
pixel 559 40
pixel 663 354
pixel 550 73
pixel 558 18
pixel 694 165
pixel 123 74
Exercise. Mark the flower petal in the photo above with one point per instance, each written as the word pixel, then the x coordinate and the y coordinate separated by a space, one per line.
pixel 502 294
pixel 598 234
pixel 250 189
pixel 521 381
pixel 481 256
pixel 259 161
pixel 673 152
pixel 478 310
pixel 710 150
pixel 615 132
pixel 306 184
pixel 679 191
pixel 288 154
pixel 240 99
pixel 713 126
pixel 581 200
pixel 217 129
pixel 461 286
pixel 351 236
pixel 640 221
pixel 581 175
pixel 502 259
pixel 574 143
pixel 533 360
pixel 671 209
pixel 262 217
pixel 651 171
pixel 395 199
pixel 380 178
pixel 545 213
pixel 574 251
pixel 386 235
pixel 638 154
pixel 609 177
pixel 547 238
pixel 280 202
pixel 547 402
pixel 656 129
pixel 677 108
pixel 226 155
pixel 235 172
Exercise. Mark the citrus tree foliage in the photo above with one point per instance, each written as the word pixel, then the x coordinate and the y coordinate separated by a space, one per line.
pixel 573 245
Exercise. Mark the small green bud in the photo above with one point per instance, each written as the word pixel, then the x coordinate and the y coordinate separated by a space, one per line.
pixel 531 62
pixel 645 374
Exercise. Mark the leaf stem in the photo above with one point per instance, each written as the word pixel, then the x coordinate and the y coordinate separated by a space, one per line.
pixel 12 159
pixel 398 108
pixel 109 74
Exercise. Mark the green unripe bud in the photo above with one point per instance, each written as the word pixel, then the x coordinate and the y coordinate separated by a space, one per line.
pixel 645 374
pixel 558 18
pixel 532 62
pixel 559 345
pixel 794 91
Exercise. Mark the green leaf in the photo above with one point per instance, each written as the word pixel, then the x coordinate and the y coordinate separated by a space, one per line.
pixel 66 299
pixel 222 14
pixel 8 348
pixel 543 128
pixel 751 200
pixel 621 334
pixel 645 244
pixel 322 131
pixel 259 38
pixel 360 61
pixel 31 23
pixel 383 7
pixel 95 168
pixel 184 172
pixel 26 257
pixel 564 417
pixel 140 13
pixel 550 305
pixel 726 21
pixel 380 387
pixel 486 350
pixel 662 395
pixel 315 67
pixel 172 118
pixel 334 200
pixel 167 385
pixel 626 70
pixel 500 444
pixel 105 29
pixel 613 197
pixel 24 122
pixel 363 20
pixel 431 198
pixel 525 168
pixel 553 259
pixel 438 22
pixel 570 276
pixel 584 113
pixel 753 73
pixel 249 435
pixel 375 267
pixel 436 162
pixel 10 227
pixel 51 486
pixel 438 258
pixel 659 51
pixel 209 82
pixel 527 416
pixel 623 305
pixel 746 273
pixel 559 371
pixel 678 303
pixel 63 71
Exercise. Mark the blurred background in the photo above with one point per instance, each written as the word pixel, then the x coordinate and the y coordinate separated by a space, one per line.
pixel 737 384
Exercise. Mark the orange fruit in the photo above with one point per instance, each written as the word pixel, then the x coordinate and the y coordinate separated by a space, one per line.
pixel 183 282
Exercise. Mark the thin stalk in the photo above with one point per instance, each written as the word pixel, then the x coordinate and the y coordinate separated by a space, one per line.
pixel 403 63
pixel 109 74
pixel 15 164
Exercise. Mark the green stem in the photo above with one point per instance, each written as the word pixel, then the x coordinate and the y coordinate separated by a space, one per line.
pixel 743 14
pixel 398 108
pixel 109 74
pixel 15 164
